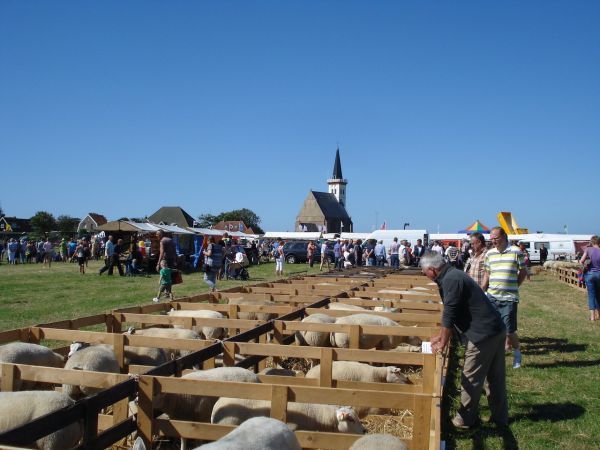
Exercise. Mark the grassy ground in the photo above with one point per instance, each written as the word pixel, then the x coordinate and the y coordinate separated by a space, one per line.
pixel 31 294
pixel 554 398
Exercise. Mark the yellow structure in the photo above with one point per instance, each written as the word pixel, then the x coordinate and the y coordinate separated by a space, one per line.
pixel 509 224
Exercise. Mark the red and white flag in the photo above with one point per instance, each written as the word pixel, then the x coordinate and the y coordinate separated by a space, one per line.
pixel 384 225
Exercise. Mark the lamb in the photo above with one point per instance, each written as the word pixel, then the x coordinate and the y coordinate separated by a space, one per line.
pixel 30 354
pixel 198 408
pixel 355 371
pixel 173 333
pixel 300 416
pixel 273 435
pixel 254 315
pixel 206 331
pixel 19 408
pixel 98 358
pixel 378 442
pixel 314 338
pixel 367 341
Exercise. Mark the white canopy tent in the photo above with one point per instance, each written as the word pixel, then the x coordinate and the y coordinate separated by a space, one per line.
pixel 342 235
pixel 291 235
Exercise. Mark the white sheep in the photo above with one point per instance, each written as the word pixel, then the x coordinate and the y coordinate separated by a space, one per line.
pixel 378 442
pixel 300 416
pixel 366 341
pixel 30 354
pixel 207 331
pixel 389 309
pixel 97 358
pixel 19 408
pixel 336 306
pixel 355 371
pixel 254 315
pixel 171 333
pixel 258 433
pixel 195 407
pixel 314 338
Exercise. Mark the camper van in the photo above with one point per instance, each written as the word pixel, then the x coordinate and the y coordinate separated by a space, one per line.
pixel 387 236
pixel 560 246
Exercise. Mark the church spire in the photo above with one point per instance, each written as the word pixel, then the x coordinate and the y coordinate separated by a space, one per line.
pixel 337 184
pixel 337 166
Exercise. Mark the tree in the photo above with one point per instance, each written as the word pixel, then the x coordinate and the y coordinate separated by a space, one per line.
pixel 207 220
pixel 42 223
pixel 249 217
pixel 66 225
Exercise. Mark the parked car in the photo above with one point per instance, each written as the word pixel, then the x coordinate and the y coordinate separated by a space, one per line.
pixel 295 251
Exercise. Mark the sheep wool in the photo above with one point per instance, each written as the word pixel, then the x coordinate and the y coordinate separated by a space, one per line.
pixel 300 416
pixel 198 408
pixel 207 332
pixel 378 442
pixel 97 358
pixel 30 354
pixel 258 433
pixel 19 408
pixel 314 338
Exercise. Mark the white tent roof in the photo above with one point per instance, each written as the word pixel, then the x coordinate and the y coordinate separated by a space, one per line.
pixel 286 235
pixel 235 234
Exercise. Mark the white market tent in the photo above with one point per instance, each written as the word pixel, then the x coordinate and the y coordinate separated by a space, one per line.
pixel 291 235
pixel 211 232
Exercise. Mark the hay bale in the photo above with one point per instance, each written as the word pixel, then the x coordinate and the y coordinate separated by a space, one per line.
pixel 399 423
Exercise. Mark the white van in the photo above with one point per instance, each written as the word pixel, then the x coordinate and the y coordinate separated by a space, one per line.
pixel 560 246
pixel 387 236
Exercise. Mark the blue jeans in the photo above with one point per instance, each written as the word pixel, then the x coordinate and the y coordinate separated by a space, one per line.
pixel 592 283
pixel 395 261
pixel 211 279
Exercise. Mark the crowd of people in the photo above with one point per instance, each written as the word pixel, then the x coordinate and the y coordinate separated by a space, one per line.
pixel 45 251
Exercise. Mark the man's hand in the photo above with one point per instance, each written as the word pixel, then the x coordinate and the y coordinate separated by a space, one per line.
pixel 439 342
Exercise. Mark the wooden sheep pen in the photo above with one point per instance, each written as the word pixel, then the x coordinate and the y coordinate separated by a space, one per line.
pixel 418 315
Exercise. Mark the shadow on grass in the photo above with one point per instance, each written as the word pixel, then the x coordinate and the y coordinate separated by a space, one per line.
pixel 554 412
pixel 555 364
pixel 545 345
pixel 480 435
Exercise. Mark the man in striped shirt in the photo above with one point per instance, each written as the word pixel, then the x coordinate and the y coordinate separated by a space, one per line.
pixel 505 271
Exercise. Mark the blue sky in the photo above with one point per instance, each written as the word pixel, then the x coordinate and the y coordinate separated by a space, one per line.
pixel 444 112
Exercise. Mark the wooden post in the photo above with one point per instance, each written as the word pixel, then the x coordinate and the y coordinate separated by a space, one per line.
pixel 119 348
pixel 326 374
pixel 354 336
pixel 278 327
pixel 428 373
pixel 233 311
pixel 421 422
pixel 279 397
pixel 145 421
pixel 228 353
pixel 9 374
pixel 262 339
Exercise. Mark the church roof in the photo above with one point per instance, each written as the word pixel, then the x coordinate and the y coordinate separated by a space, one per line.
pixel 337 166
pixel 172 215
pixel 330 207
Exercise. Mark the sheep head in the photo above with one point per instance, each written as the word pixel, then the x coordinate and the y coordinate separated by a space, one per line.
pixel 76 346
pixel 395 375
pixel 348 421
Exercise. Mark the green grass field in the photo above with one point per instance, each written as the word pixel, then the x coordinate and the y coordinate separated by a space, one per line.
pixel 554 398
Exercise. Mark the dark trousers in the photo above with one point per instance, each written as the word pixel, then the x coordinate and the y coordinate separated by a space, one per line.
pixel 111 263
